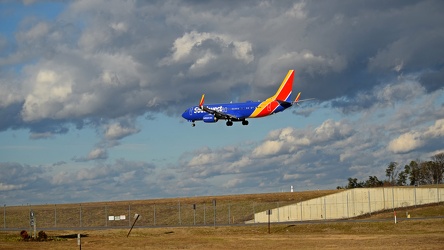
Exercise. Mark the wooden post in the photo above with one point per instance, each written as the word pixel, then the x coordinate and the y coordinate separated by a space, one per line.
pixel 136 216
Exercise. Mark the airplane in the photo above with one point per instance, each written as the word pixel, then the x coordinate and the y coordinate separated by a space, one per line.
pixel 239 112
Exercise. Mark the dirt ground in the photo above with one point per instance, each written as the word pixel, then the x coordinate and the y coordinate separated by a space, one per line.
pixel 427 234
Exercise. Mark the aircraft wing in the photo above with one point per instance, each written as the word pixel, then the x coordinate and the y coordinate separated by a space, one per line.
pixel 216 113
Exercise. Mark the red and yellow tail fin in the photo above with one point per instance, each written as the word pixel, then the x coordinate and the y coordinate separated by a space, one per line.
pixel 202 101
pixel 284 91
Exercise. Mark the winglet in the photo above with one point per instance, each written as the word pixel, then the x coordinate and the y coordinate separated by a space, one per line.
pixel 202 101
pixel 297 97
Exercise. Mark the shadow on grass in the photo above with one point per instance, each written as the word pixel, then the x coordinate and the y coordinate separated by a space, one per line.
pixel 71 236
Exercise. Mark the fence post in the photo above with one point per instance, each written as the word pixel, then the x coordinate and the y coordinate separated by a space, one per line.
pixel 414 190
pixel 300 202
pixel 106 216
pixel 229 213
pixel 325 209
pixel 80 219
pixel 205 213
pixel 180 219
pixel 214 213
pixel 369 206
pixel 383 196
pixel 254 213
pixel 129 215
pixel 4 216
pixel 194 213
pixel 154 214
pixel 393 199
pixel 29 212
pixel 55 215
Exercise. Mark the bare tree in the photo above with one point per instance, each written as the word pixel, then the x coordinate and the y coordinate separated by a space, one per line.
pixel 391 172
pixel 425 172
pixel 414 172
pixel 438 167
pixel 373 181
pixel 417 171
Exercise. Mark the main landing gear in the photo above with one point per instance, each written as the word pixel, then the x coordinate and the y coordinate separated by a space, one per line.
pixel 230 123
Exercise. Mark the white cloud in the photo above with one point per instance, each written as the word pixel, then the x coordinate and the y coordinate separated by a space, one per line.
pixel 94 154
pixel 8 187
pixel 291 176
pixel 9 93
pixel 40 30
pixel 415 139
pixel 97 153
pixel 233 183
pixel 436 130
pixel 117 131
pixel 49 91
pixel 183 47
pixel 119 26
pixel 307 61
pixel 268 148
pixel 297 11
pixel 406 88
pixel 405 143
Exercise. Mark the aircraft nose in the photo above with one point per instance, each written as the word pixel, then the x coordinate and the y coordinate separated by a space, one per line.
pixel 186 115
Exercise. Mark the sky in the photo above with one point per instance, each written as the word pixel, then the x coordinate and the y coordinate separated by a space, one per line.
pixel 92 92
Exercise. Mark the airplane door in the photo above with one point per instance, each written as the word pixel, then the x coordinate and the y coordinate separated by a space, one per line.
pixel 191 111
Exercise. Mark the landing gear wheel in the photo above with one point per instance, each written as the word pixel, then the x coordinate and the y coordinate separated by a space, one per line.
pixel 229 123
pixel 245 122
pixel 193 124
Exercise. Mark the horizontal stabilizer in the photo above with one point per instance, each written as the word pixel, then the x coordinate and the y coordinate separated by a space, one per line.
pixel 284 103
pixel 297 99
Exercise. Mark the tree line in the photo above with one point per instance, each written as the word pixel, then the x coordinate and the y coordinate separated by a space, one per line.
pixel 414 174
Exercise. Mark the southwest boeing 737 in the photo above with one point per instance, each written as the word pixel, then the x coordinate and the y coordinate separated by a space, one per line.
pixel 239 112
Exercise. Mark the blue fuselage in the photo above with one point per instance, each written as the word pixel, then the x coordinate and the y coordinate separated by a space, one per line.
pixel 239 110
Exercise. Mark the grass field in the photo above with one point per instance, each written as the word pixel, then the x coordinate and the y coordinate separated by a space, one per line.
pixel 407 234
pixel 351 234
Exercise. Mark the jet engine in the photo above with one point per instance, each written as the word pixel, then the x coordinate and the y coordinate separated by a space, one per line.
pixel 210 118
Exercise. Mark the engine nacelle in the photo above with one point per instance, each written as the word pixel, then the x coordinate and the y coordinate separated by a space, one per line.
pixel 210 118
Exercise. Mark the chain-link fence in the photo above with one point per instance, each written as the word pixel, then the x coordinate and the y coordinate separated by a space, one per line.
pixel 345 204
pixel 122 215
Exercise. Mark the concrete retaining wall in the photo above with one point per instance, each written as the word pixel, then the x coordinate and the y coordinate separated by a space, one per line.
pixel 352 203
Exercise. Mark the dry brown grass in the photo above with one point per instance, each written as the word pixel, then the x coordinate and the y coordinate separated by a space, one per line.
pixel 427 234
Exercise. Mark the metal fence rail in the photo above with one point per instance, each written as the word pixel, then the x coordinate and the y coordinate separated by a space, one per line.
pixel 121 215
